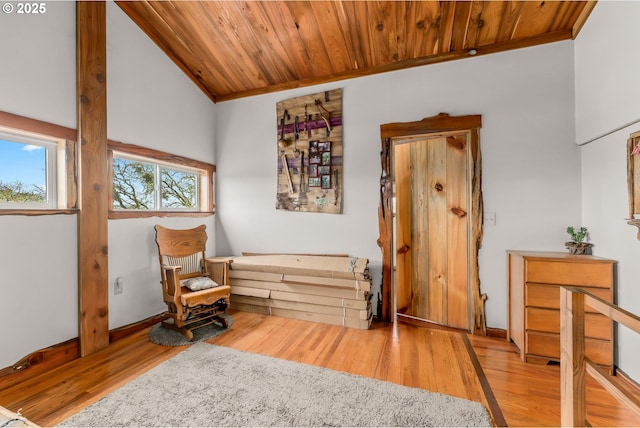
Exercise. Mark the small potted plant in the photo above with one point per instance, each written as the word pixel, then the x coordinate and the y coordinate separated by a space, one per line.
pixel 577 245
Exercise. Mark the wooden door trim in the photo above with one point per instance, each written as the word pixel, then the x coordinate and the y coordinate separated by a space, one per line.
pixel 431 125
pixel 442 123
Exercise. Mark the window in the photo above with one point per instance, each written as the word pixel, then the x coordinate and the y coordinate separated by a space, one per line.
pixel 38 175
pixel 140 185
pixel 33 171
pixel 146 182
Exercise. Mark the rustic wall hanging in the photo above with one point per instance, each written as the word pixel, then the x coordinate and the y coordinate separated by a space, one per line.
pixel 309 144
pixel 633 179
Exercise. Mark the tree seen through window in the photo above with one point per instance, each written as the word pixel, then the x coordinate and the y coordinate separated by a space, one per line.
pixel 139 185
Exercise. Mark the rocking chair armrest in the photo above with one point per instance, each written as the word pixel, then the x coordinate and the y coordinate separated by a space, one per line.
pixel 173 282
pixel 218 269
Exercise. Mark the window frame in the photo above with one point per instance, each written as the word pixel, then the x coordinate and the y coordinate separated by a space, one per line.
pixel 206 192
pixel 66 196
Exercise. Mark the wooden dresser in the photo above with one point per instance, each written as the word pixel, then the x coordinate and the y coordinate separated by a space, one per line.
pixel 534 303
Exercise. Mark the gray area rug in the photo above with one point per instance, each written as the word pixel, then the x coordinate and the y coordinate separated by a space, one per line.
pixel 210 385
pixel 164 336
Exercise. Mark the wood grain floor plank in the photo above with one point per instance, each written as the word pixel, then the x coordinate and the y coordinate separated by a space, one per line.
pixel 482 369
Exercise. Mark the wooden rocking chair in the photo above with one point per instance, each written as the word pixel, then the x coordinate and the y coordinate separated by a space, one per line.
pixel 195 288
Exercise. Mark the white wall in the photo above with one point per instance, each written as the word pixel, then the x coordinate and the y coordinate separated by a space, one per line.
pixel 607 84
pixel 531 167
pixel 39 282
pixel 37 75
pixel 151 103
pixel 38 255
pixel 607 90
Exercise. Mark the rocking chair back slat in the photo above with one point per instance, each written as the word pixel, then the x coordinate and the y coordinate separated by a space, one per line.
pixel 190 264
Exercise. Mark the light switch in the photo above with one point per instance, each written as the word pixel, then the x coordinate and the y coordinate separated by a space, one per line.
pixel 117 285
pixel 490 219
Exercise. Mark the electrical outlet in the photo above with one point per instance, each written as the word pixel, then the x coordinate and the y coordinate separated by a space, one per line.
pixel 117 285
pixel 490 219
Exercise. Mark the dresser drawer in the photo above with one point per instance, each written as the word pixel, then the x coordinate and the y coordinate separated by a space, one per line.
pixel 548 345
pixel 548 320
pixel 569 273
pixel 548 296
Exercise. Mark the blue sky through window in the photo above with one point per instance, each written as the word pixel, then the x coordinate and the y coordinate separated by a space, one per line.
pixel 22 162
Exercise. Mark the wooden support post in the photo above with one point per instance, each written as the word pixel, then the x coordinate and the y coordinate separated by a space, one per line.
pixel 93 287
pixel 572 359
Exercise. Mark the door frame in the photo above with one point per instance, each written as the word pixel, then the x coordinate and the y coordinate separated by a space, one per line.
pixel 428 126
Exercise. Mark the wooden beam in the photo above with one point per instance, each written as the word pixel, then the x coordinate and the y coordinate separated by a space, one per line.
pixel 93 298
pixel 586 11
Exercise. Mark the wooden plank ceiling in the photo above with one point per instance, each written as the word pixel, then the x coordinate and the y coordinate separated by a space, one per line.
pixel 234 49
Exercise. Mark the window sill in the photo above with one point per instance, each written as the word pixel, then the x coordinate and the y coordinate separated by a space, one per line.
pixel 38 212
pixel 116 215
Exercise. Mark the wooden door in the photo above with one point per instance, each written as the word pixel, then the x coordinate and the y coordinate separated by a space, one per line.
pixel 431 224
pixel 430 219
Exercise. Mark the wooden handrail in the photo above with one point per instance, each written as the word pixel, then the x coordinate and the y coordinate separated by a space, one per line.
pixel 574 365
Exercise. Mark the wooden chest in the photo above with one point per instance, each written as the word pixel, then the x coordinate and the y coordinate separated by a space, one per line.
pixel 534 302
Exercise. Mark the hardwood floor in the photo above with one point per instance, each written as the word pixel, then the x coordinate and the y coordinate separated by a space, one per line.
pixel 529 394
pixel 434 359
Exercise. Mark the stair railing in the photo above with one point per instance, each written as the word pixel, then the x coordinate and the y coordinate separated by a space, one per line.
pixel 574 365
